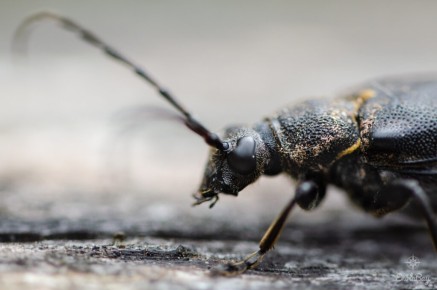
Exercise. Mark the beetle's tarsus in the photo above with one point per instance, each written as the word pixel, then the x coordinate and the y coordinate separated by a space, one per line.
pixel 237 268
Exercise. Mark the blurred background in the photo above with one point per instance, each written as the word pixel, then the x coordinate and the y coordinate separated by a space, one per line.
pixel 71 148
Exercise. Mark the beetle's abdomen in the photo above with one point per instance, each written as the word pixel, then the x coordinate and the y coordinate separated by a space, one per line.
pixel 313 134
pixel 398 126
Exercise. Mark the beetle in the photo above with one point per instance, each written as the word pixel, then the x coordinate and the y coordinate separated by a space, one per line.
pixel 378 143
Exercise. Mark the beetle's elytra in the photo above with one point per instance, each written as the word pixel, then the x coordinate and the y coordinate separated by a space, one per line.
pixel 378 143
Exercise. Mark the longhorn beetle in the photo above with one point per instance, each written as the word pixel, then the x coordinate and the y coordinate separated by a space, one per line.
pixel 378 143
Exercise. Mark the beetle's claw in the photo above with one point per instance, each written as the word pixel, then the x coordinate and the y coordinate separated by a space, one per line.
pixel 229 269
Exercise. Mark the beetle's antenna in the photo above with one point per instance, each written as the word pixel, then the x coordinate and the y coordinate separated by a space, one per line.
pixel 19 43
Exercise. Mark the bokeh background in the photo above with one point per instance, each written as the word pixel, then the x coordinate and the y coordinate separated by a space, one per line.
pixel 73 149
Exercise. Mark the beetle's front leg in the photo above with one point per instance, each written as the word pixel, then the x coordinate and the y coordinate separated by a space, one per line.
pixel 308 195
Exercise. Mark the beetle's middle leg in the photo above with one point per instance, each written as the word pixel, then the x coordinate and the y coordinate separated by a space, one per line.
pixel 412 190
pixel 395 195
pixel 308 195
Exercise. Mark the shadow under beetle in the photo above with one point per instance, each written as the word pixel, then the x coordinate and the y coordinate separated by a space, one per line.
pixel 379 144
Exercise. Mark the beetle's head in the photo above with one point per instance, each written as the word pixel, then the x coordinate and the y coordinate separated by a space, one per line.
pixel 230 170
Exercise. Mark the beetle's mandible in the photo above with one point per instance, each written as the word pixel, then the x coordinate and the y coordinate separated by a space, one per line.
pixel 378 143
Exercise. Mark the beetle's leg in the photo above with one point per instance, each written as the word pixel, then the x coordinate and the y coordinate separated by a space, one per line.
pixel 416 192
pixel 308 195
pixel 267 242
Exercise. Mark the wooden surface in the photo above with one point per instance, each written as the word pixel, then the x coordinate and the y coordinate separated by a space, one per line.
pixel 329 249
pixel 80 164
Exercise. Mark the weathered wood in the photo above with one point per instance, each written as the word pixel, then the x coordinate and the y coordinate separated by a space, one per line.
pixel 179 254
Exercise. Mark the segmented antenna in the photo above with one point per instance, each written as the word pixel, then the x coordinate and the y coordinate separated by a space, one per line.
pixel 19 43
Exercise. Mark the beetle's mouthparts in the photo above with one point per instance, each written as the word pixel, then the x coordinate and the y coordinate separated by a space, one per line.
pixel 205 196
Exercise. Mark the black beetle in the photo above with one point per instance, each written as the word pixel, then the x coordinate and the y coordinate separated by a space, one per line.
pixel 378 143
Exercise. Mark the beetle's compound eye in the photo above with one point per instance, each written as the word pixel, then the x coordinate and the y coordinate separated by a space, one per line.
pixel 242 158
